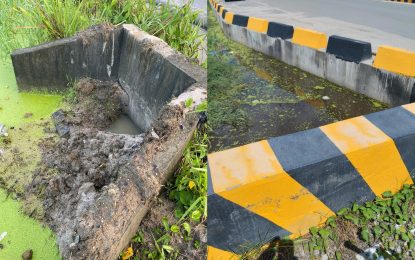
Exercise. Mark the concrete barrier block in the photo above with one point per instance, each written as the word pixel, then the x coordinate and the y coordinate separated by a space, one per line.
pixel 257 25
pixel 221 10
pixel 309 38
pixel 229 17
pixel 285 185
pixel 395 60
pixel 218 7
pixel 349 49
pixel 240 20
pixel 224 13
pixel 279 30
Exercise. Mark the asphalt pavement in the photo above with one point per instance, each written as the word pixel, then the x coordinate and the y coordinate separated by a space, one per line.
pixel 376 21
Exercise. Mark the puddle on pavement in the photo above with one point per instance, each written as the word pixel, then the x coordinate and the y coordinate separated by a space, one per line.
pixel 254 97
pixel 26 113
pixel 124 125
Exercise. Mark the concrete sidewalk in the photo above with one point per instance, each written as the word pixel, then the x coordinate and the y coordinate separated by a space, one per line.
pixel 376 21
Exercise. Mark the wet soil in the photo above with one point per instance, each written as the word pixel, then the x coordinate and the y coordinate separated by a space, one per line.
pixel 184 245
pixel 254 97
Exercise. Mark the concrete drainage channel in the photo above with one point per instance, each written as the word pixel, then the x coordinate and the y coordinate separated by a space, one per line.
pixel 282 186
pixel 96 205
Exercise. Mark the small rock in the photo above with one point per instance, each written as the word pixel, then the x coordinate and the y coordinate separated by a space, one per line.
pixel 154 134
pixel 3 131
pixel 3 235
pixel 28 115
pixel 61 126
pixel 325 98
pixel 27 255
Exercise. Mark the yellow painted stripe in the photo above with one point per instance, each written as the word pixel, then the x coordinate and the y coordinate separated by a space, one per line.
pixel 229 17
pixel 309 38
pixel 410 107
pixel 214 253
pixel 257 25
pixel 372 153
pixel 252 177
pixel 395 60
pixel 221 10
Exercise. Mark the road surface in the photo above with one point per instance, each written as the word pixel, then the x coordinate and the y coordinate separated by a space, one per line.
pixel 376 21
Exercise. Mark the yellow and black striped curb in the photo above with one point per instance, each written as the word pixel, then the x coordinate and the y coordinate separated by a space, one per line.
pixel 387 58
pixel 404 1
pixel 283 186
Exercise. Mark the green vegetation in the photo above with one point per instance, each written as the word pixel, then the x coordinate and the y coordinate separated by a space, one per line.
pixel 386 225
pixel 27 23
pixel 388 222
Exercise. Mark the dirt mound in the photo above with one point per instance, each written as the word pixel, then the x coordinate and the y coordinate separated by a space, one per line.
pixel 89 178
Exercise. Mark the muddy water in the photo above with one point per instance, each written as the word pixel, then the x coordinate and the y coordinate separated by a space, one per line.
pixel 27 114
pixel 124 125
pixel 254 97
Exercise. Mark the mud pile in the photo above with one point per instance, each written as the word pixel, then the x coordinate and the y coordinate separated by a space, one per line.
pixel 87 171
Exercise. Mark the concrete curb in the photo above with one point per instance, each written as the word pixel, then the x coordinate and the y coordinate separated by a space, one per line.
pixel 380 82
pixel 283 186
pixel 404 1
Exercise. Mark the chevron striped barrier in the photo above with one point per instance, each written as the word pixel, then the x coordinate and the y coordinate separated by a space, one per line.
pixel 283 186
pixel 404 1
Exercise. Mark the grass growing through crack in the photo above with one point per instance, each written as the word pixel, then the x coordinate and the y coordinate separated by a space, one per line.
pixel 27 23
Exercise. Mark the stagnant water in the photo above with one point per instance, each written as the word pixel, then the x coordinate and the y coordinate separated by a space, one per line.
pixel 124 125
pixel 253 97
pixel 25 112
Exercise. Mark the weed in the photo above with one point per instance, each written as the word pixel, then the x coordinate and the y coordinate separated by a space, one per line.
pixel 37 21
pixel 190 185
pixel 387 223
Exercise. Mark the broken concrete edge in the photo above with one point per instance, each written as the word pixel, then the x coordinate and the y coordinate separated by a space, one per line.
pixel 163 168
pixel 285 185
pixel 373 81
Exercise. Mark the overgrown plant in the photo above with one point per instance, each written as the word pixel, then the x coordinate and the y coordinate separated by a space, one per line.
pixel 38 21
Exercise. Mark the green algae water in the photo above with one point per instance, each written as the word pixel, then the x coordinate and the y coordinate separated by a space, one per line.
pixel 24 115
pixel 23 233
pixel 254 97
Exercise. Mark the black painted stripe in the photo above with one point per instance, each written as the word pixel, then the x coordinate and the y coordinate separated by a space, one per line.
pixel 224 13
pixel 279 30
pixel 240 20
pixel 218 8
pixel 317 164
pixel 235 229
pixel 399 124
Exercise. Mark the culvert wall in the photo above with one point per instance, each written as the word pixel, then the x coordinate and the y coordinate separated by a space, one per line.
pixel 93 53
pixel 149 68
pixel 150 72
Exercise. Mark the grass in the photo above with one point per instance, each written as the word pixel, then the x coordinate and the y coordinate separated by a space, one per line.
pixel 386 224
pixel 37 21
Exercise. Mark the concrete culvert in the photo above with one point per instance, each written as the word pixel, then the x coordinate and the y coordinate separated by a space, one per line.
pixel 98 179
